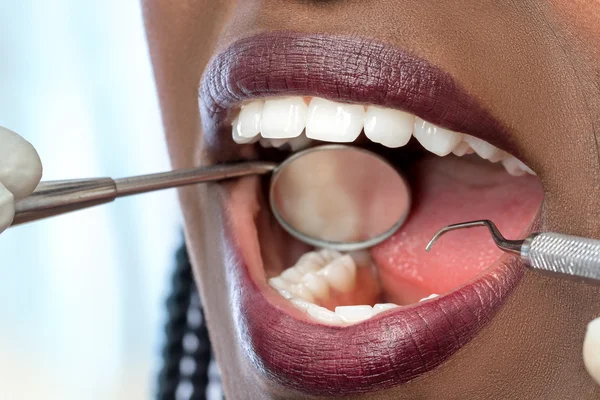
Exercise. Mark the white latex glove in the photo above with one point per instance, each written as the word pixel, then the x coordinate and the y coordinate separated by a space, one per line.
pixel 591 349
pixel 20 173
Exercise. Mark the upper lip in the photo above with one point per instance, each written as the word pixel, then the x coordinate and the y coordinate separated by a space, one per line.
pixel 397 346
pixel 339 68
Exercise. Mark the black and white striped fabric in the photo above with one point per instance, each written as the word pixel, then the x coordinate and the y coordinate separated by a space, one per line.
pixel 189 371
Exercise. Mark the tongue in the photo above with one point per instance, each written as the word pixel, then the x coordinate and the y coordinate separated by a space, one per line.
pixel 445 191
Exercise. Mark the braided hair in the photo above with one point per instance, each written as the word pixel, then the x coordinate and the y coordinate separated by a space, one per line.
pixel 188 371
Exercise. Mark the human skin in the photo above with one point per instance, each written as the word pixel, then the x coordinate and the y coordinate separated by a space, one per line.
pixel 534 65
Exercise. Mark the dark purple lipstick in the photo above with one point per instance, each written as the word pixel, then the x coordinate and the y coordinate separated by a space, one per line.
pixel 339 68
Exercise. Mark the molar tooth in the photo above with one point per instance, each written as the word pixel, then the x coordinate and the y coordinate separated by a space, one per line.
pixel 526 168
pixel 391 128
pixel 334 122
pixel 311 256
pixel 310 262
pixel 328 255
pixel 484 149
pixel 316 285
pixel 354 314
pixel 265 143
pixel 301 292
pixel 291 275
pixel 299 143
pixel 324 315
pixel 283 118
pixel 461 149
pixel 437 140
pixel 279 284
pixel 513 167
pixel 498 156
pixel 340 273
pixel 516 167
pixel 268 143
pixel 381 307
pixel 306 267
pixel 249 119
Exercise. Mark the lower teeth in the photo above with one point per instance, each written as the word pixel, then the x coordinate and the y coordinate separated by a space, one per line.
pixel 326 280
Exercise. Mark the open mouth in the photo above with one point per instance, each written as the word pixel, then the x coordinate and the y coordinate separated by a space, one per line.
pixel 328 323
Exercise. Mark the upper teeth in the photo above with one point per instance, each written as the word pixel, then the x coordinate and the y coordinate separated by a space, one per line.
pixel 282 121
pixel 334 122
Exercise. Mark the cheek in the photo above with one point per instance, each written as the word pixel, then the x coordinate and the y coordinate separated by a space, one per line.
pixel 581 19
pixel 182 36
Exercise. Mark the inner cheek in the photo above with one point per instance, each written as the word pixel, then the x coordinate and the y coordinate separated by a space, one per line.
pixel 445 191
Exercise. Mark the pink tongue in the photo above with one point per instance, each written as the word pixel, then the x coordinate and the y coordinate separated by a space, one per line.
pixel 445 191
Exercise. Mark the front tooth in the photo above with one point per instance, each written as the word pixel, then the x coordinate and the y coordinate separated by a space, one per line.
pixel 283 118
pixel 7 207
pixel 340 273
pixel 437 140
pixel 235 133
pixel 324 315
pixel 381 307
pixel 391 128
pixel 354 314
pixel 334 122
pixel 249 119
pixel 316 285
pixel 484 149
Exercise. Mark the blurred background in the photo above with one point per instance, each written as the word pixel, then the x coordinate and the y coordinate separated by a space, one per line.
pixel 82 296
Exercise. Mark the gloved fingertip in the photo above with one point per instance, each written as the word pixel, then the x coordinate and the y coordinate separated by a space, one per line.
pixel 591 349
pixel 7 208
pixel 20 164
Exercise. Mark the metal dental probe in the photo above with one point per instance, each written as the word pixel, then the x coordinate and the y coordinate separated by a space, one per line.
pixel 547 251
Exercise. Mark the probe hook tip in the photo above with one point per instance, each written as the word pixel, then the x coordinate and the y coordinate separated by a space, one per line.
pixel 512 246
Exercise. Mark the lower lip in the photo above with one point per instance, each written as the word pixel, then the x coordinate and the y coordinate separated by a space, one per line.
pixel 389 349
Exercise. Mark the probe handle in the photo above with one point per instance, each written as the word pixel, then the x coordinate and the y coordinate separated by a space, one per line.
pixel 563 254
pixel 52 198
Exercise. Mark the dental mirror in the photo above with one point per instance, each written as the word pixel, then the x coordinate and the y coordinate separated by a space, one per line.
pixel 334 196
pixel 339 197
